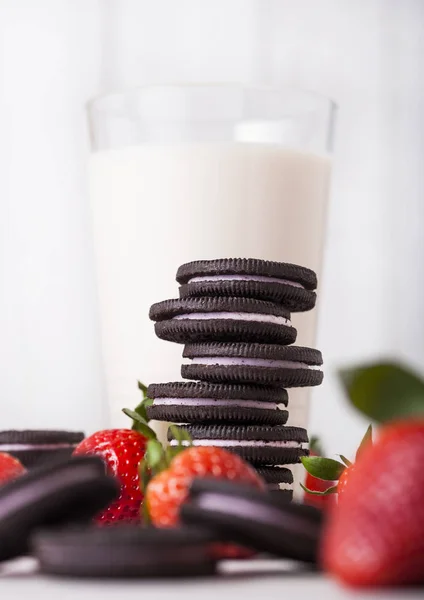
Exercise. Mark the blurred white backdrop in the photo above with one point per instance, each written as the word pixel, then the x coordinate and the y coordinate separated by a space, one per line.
pixel 56 54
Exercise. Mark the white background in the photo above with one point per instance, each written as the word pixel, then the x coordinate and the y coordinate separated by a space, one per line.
pixel 56 54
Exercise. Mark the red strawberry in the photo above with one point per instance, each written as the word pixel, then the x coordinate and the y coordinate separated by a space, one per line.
pixel 169 489
pixel 376 536
pixel 122 450
pixel 10 468
pixel 314 484
pixel 327 477
pixel 344 481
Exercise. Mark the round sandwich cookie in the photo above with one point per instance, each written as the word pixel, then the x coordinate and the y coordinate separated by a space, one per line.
pixel 37 447
pixel 54 495
pixel 260 364
pixel 129 551
pixel 279 481
pixel 200 402
pixel 222 319
pixel 255 519
pixel 287 284
pixel 258 445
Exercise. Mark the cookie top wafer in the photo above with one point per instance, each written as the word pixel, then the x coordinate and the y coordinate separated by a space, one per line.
pixel 293 274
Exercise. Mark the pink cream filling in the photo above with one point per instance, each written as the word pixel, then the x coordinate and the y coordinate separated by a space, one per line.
pixel 215 402
pixel 243 443
pixel 236 316
pixel 252 362
pixel 260 278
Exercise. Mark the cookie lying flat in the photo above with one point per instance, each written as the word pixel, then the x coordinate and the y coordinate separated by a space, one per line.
pixel 279 481
pixel 222 319
pixel 200 402
pixel 255 519
pixel 59 494
pixel 260 364
pixel 258 445
pixel 290 285
pixel 130 551
pixel 35 448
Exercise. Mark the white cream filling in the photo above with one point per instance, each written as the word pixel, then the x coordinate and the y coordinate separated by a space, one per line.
pixel 252 362
pixel 14 447
pixel 215 402
pixel 236 316
pixel 243 443
pixel 279 486
pixel 260 278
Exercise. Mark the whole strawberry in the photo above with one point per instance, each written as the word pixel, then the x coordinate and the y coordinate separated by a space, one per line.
pixel 169 489
pixel 376 536
pixel 326 476
pixel 10 468
pixel 313 484
pixel 167 476
pixel 122 450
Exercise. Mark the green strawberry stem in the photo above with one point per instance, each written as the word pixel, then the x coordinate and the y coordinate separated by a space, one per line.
pixel 158 459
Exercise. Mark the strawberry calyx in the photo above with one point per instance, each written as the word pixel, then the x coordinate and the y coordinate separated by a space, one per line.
pixel 158 459
pixel 140 420
pixel 328 469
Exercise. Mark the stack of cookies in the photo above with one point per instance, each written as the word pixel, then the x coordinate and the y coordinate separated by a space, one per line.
pixel 233 317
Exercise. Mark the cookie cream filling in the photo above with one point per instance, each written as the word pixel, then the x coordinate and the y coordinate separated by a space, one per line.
pixel 245 443
pixel 279 486
pixel 15 447
pixel 215 402
pixel 260 278
pixel 232 361
pixel 236 316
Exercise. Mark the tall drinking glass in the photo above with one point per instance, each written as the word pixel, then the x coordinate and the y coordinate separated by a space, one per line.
pixel 181 173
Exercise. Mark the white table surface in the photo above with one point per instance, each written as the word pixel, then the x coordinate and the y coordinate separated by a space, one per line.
pixel 259 580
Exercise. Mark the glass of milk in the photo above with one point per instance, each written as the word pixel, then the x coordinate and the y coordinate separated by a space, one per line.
pixel 182 173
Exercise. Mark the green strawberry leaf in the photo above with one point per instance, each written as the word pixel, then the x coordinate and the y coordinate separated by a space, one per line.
pixel 143 388
pixel 141 409
pixel 330 490
pixel 181 435
pixel 155 455
pixel 323 468
pixel 384 392
pixel 140 424
pixel 345 460
pixel 366 441
pixel 315 445
pixel 144 474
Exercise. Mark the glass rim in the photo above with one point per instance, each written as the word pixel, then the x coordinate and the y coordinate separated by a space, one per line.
pixel 95 102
